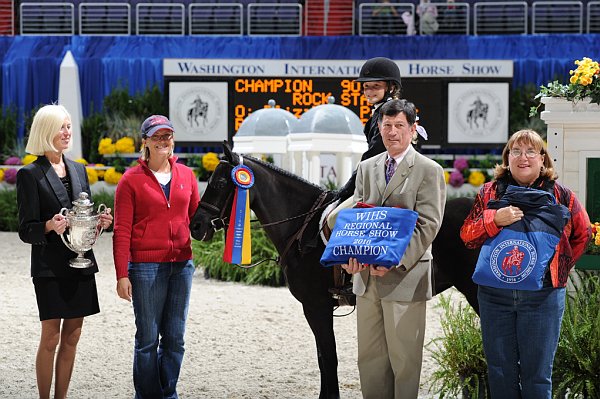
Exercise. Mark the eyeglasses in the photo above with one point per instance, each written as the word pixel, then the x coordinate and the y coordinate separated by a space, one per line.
pixel 162 137
pixel 529 153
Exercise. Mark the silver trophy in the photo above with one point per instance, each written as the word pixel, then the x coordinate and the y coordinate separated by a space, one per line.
pixel 84 229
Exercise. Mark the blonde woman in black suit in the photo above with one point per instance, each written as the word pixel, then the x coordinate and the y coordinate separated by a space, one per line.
pixel 64 295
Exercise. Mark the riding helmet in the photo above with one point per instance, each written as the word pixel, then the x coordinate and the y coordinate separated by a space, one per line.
pixel 380 68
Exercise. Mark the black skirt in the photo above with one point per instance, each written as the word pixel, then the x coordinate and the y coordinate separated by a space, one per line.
pixel 66 298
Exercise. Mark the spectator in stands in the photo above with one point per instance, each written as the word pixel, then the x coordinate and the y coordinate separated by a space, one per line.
pixel 427 17
pixel 152 250
pixel 385 18
pixel 409 21
pixel 65 295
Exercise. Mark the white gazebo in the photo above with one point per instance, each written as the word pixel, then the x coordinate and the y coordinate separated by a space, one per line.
pixel 266 131
pixel 322 130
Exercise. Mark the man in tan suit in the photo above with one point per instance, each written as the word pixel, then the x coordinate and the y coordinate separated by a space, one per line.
pixel 391 303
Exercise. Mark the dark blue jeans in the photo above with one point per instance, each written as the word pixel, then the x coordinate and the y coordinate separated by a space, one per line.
pixel 161 295
pixel 520 332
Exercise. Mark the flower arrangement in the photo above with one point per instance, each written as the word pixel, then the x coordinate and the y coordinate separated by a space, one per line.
pixel 1 175
pixel 13 161
pixel 583 83
pixel 92 175
pixel 124 145
pixel 204 165
pixel 210 160
pixel 593 247
pixel 10 176
pixel 106 147
pixel 463 171
pixel 111 176
pixel 81 161
pixel 29 158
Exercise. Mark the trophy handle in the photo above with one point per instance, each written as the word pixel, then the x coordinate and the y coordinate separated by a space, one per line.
pixel 64 212
pixel 101 209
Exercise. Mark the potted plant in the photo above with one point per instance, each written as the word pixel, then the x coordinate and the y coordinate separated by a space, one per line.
pixel 462 368
pixel 577 362
pixel 583 86
pixel 591 259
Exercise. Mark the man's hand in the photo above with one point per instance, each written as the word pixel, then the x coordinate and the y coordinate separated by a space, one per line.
pixel 353 266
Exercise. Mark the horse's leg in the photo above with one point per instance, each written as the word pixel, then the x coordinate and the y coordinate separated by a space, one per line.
pixel 320 320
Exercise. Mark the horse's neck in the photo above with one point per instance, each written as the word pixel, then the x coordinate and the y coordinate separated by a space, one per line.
pixel 281 198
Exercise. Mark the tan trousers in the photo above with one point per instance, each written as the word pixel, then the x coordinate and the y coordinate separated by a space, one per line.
pixel 390 345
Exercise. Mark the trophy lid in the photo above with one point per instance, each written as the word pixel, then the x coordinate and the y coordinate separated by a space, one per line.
pixel 82 205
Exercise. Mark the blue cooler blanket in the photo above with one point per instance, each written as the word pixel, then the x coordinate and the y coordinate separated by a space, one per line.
pixel 375 236
pixel 517 258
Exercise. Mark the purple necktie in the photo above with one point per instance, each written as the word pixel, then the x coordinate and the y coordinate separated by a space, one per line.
pixel 390 169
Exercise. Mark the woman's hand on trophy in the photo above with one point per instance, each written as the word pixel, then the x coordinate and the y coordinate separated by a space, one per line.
pixel 58 224
pixel 106 219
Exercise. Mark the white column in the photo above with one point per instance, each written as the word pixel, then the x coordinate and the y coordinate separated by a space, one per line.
pixel 69 95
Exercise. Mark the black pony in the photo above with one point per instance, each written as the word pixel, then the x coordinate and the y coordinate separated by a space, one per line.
pixel 288 207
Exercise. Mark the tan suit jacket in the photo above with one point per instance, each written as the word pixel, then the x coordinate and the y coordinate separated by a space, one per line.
pixel 417 184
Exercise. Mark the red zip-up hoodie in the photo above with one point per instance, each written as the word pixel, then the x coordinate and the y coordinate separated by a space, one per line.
pixel 147 226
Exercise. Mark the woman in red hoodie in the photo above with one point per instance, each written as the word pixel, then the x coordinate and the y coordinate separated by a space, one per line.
pixel 154 203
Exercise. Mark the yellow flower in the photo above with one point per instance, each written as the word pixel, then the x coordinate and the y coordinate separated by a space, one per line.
pixel 29 158
pixel 447 176
pixel 210 160
pixel 100 172
pixel 1 174
pixel 111 176
pixel 92 175
pixel 81 161
pixel 125 145
pixel 105 146
pixel 476 178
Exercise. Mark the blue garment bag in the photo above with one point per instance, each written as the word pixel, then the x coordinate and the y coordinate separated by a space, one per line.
pixel 517 258
pixel 375 236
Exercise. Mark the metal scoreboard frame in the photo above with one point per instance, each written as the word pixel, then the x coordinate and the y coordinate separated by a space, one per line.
pixel 459 102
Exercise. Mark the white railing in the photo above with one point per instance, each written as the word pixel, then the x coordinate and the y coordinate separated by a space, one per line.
pixel 593 17
pixel 274 19
pixel 557 17
pixel 386 19
pixel 104 19
pixel 160 19
pixel 225 19
pixel 500 17
pixel 57 19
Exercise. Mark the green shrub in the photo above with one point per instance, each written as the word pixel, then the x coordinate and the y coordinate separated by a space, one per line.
pixel 462 368
pixel 9 217
pixel 577 361
pixel 8 132
pixel 93 128
pixel 209 256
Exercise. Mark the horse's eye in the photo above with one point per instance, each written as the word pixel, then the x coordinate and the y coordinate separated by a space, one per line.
pixel 219 183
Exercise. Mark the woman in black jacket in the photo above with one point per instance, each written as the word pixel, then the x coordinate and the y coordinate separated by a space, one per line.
pixel 64 295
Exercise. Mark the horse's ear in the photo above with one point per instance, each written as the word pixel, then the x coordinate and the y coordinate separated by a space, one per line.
pixel 227 151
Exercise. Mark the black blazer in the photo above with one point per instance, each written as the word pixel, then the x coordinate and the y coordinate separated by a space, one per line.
pixel 40 196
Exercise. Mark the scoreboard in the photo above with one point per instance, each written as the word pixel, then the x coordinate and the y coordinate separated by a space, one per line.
pixel 209 99
pixel 296 95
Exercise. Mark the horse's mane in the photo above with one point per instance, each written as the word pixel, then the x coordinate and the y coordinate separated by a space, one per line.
pixel 282 171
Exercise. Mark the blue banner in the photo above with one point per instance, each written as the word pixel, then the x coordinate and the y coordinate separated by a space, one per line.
pixel 375 236
pixel 517 258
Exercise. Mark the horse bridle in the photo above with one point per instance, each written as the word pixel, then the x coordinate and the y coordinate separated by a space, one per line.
pixel 221 222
